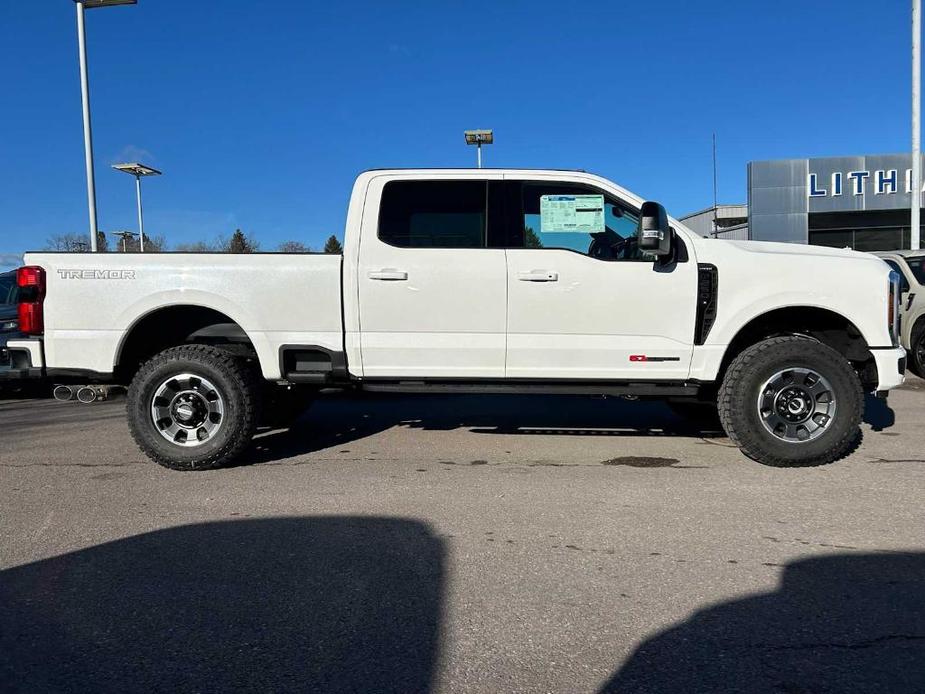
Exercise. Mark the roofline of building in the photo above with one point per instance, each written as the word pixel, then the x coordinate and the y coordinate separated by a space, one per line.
pixel 718 206
pixel 840 156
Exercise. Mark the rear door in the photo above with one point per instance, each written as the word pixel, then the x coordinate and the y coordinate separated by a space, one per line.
pixel 583 303
pixel 432 296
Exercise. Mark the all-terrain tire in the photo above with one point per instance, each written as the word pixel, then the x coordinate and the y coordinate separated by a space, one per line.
pixel 745 381
pixel 916 360
pixel 235 382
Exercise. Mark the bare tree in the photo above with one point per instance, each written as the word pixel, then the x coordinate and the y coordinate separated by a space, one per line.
pixel 75 243
pixel 198 247
pixel 293 247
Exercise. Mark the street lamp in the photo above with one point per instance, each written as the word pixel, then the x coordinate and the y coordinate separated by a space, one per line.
pixel 916 204
pixel 125 236
pixel 479 138
pixel 138 170
pixel 85 99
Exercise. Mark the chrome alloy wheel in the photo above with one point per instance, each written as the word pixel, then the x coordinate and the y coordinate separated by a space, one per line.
pixel 187 409
pixel 796 405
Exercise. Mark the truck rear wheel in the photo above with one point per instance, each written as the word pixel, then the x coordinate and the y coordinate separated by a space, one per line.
pixel 791 402
pixel 193 407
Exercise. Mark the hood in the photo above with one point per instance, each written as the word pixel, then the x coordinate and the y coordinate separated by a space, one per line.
pixel 801 249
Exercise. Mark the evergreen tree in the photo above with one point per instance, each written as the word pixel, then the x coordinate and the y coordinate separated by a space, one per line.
pixel 240 243
pixel 332 245
pixel 531 240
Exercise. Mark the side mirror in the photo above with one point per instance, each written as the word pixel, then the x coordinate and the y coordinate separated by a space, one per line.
pixel 653 235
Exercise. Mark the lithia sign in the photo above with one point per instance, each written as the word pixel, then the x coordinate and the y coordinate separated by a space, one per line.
pixel 882 182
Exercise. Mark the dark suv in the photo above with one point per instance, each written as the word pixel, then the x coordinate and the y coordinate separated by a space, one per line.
pixel 9 296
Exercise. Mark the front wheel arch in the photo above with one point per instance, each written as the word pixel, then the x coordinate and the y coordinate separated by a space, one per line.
pixel 822 325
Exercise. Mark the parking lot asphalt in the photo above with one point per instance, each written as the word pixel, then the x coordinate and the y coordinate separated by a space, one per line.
pixel 466 544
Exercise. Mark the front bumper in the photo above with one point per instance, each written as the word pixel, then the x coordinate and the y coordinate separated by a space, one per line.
pixel 21 359
pixel 891 367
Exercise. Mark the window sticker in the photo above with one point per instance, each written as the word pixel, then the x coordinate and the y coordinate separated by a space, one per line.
pixel 572 213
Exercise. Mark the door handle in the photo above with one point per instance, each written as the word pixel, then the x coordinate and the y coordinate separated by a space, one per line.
pixel 388 274
pixel 538 276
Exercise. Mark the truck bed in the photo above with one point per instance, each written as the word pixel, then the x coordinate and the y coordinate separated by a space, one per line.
pixel 278 299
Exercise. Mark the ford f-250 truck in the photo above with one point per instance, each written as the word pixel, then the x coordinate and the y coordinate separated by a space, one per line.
pixel 487 281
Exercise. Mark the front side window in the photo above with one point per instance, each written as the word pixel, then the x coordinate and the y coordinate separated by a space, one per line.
pixel 578 218
pixel 433 214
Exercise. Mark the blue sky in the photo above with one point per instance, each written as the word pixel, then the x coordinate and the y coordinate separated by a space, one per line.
pixel 260 114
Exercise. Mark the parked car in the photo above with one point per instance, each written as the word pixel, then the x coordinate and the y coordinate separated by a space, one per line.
pixel 911 268
pixel 9 312
pixel 475 280
pixel 9 329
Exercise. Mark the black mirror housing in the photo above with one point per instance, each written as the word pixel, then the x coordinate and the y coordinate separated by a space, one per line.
pixel 654 235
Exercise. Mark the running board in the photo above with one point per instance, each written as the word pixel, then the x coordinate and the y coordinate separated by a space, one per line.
pixel 648 389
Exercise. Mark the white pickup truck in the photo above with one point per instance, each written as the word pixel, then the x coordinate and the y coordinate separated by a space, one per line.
pixel 461 281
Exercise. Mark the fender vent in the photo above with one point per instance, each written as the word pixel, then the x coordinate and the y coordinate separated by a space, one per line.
pixel 707 294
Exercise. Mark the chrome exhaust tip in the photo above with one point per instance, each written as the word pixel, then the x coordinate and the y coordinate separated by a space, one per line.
pixel 63 393
pixel 87 394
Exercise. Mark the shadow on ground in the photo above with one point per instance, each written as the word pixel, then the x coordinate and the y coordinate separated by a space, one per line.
pixel 852 623
pixel 339 419
pixel 878 413
pixel 287 604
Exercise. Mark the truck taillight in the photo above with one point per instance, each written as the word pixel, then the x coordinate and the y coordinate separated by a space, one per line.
pixel 31 283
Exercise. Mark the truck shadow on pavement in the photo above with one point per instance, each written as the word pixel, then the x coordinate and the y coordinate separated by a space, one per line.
pixel 337 420
pixel 285 604
pixel 845 623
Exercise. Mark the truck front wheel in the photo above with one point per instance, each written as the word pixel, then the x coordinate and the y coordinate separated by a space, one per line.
pixel 790 402
pixel 193 407
pixel 917 351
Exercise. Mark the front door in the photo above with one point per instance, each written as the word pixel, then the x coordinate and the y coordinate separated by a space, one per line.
pixel 432 295
pixel 582 301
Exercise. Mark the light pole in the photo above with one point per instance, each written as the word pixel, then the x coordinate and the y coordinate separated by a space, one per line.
pixel 916 132
pixel 125 236
pixel 138 170
pixel 479 138
pixel 85 99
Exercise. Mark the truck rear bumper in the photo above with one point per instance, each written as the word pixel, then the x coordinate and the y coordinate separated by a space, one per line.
pixel 21 359
pixel 891 367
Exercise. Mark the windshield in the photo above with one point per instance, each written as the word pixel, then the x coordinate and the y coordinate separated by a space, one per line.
pixel 917 265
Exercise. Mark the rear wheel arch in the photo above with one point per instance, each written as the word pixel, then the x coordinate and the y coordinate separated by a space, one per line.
pixel 170 326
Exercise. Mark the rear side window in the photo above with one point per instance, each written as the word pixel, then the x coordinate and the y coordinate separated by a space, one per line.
pixel 433 214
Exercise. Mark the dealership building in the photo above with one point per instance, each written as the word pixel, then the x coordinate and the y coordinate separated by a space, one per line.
pixel 859 202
